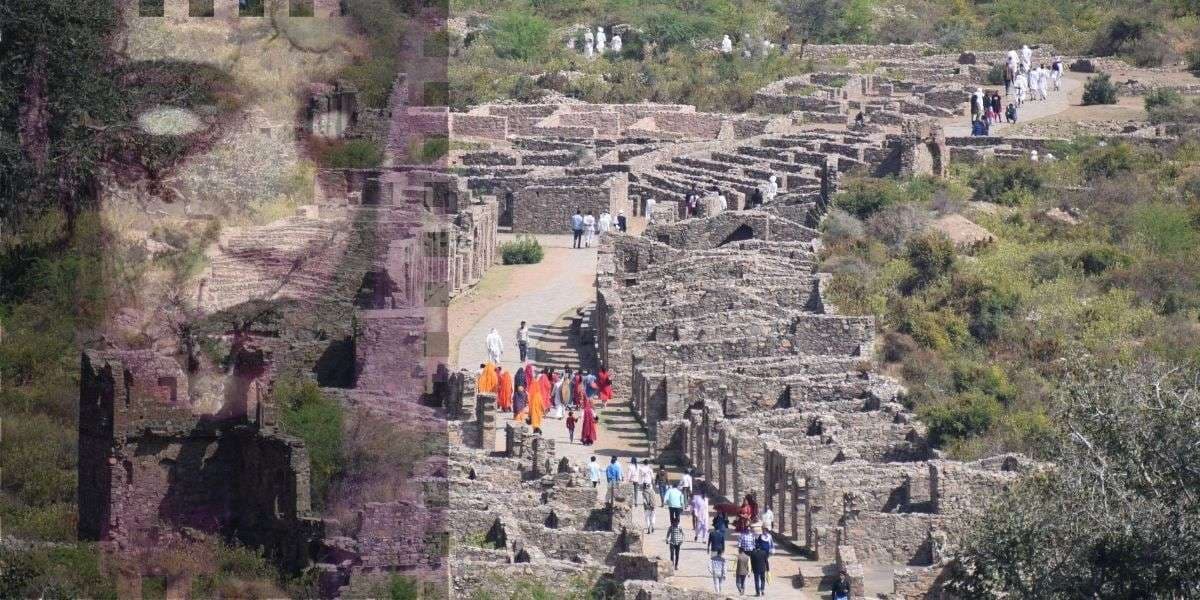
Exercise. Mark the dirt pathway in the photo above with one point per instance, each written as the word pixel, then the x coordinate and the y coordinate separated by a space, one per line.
pixel 1056 102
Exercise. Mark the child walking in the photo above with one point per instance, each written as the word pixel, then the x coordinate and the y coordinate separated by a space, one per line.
pixel 675 541
pixel 571 421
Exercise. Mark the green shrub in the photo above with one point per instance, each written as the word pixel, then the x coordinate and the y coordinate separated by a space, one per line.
pixel 995 74
pixel 1099 89
pixel 865 197
pixel 525 250
pixel 1107 161
pixel 65 571
pixel 1098 259
pixel 1162 97
pixel 931 255
pixel 520 36
pixel 967 415
pixel 1164 229
pixel 1006 182
pixel 351 154
pixel 307 413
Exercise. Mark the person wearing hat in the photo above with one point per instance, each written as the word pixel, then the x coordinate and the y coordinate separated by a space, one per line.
pixel 621 223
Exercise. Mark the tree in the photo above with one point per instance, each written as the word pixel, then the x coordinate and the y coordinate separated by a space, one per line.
pixel 1118 515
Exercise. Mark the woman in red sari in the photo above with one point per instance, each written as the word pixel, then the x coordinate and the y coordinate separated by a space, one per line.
pixel 587 435
pixel 604 384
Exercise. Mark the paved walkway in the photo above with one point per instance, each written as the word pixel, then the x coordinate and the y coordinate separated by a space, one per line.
pixel 1070 95
pixel 552 303
pixel 565 280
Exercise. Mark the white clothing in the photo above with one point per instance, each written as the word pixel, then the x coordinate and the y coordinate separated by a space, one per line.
pixel 571 43
pixel 593 470
pixel 616 44
pixel 600 40
pixel 650 210
pixel 726 45
pixel 1026 56
pixel 1033 156
pixel 1043 82
pixel 685 481
pixel 605 222
pixel 588 41
pixel 495 346
pixel 772 189
pixel 1012 57
pixel 724 203
pixel 589 230
pixel 768 519
pixel 523 335
pixel 646 473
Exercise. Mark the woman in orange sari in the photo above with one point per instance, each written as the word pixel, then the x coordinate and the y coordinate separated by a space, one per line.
pixel 504 396
pixel 536 407
pixel 488 381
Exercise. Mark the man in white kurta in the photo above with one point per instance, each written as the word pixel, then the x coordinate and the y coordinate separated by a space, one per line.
pixel 616 44
pixel 588 42
pixel 601 39
pixel 605 222
pixel 1026 57
pixel 726 45
pixel 495 346
pixel 772 189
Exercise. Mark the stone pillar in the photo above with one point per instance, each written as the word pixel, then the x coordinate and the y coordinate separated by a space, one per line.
pixel 485 415
pixel 830 182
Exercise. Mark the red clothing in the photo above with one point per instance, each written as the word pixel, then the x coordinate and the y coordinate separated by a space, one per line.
pixel 587 435
pixel 604 383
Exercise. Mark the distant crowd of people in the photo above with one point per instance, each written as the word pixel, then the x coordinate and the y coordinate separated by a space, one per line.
pixel 1023 80
pixel 585 228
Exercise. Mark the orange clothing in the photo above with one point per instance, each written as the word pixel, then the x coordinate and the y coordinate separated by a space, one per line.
pixel 536 406
pixel 488 382
pixel 504 395
pixel 547 386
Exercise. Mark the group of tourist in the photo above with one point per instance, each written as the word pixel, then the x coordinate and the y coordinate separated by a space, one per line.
pixel 585 228
pixel 764 48
pixel 1022 81
pixel 597 43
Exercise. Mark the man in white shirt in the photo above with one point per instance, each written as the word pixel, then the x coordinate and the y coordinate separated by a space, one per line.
pixel 495 346
pixel 605 222
pixel 634 476
pixel 645 476
pixel 523 341
pixel 589 229
pixel 593 471
pixel 685 486
pixel 650 210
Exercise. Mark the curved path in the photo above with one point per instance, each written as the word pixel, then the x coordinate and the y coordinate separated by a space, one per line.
pixel 1070 95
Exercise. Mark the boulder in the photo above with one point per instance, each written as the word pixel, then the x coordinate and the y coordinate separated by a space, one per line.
pixel 966 58
pixel 1082 65
pixel 965 234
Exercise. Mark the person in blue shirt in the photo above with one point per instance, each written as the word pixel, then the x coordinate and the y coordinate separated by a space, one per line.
pixel 577 228
pixel 613 475
pixel 674 502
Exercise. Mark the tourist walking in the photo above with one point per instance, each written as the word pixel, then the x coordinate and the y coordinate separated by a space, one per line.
pixel 523 341
pixel 589 229
pixel 1010 114
pixel 612 476
pixel 605 222
pixel 768 519
pixel 587 432
pixel 661 483
pixel 716 567
pixel 487 383
pixel 760 565
pixel 674 503
pixel 577 228
pixel 604 386
pixel 841 587
pixel 685 486
pixel 571 421
pixel 675 542
pixel 495 346
pixel 593 471
pixel 635 479
pixel 504 397
pixel 622 223
pixel 650 202
pixel 741 571
pixel 699 517
pixel 646 476
pixel 648 511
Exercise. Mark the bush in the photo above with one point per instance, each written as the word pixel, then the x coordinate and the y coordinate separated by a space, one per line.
pixel 1121 35
pixel 525 250
pixel 932 255
pixel 1098 259
pixel 995 74
pixel 520 36
pixel 64 571
pixel 351 154
pixel 965 416
pixel 1099 89
pixel 1162 97
pixel 307 413
pixel 840 226
pixel 1107 161
pixel 1006 183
